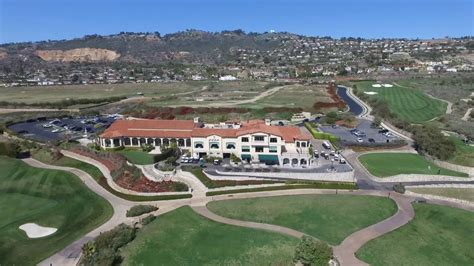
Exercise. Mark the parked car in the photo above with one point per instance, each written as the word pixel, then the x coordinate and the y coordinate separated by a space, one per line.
pixel 48 125
pixel 371 140
pixel 342 161
pixel 383 131
pixel 360 140
pixel 326 145
pixel 216 162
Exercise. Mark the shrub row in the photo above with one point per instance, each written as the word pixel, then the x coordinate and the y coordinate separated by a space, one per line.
pixel 138 198
pixel 316 185
pixel 140 209
pixel 105 248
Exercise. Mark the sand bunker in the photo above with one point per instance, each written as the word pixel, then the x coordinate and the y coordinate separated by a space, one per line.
pixel 370 92
pixel 33 230
pixel 387 85
pixel 376 85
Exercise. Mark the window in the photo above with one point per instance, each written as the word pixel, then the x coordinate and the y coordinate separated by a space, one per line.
pixel 258 149
pixel 198 145
pixel 273 149
pixel 259 138
pixel 214 145
pixel 303 144
pixel 298 144
pixel 273 140
pixel 245 148
pixel 230 146
pixel 245 139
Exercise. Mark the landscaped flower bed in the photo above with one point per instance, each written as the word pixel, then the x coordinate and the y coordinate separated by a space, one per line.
pixel 127 176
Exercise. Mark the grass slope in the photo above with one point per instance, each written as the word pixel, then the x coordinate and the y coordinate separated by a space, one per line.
pixel 390 164
pixel 456 193
pixel 464 154
pixel 182 237
pixel 437 235
pixel 49 198
pixel 328 217
pixel 410 104
pixel 138 157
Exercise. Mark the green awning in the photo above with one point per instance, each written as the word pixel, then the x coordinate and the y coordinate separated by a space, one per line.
pixel 246 156
pixel 268 158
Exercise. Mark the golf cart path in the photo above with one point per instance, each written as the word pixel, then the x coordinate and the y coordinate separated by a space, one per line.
pixel 70 255
pixel 345 252
pixel 204 211
pixel 466 115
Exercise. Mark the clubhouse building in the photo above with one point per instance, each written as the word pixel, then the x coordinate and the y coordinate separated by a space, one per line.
pixel 253 140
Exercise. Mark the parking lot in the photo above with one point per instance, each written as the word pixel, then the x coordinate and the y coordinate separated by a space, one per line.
pixel 44 130
pixel 364 134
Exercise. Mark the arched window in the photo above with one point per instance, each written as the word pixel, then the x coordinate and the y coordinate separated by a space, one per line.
pixel 126 141
pixel 286 161
pixel 149 141
pixel 142 141
pixel 214 145
pixel 166 142
pixel 157 142
pixel 303 162
pixel 134 141
pixel 294 161
pixel 303 144
pixel 180 142
pixel 230 146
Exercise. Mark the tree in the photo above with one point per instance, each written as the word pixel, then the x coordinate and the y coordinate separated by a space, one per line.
pixel 311 251
pixel 377 121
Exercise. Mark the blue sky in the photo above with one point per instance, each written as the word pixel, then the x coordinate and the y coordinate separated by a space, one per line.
pixel 32 20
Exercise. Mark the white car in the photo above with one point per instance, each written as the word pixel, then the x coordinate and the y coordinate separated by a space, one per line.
pixel 47 125
pixel 360 140
pixel 56 130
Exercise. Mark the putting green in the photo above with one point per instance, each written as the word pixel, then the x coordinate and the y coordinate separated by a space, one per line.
pixel 48 198
pixel 183 237
pixel 437 235
pixel 328 217
pixel 390 164
pixel 409 104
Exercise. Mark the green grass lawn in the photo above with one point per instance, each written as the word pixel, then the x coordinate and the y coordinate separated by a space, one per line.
pixel 45 157
pixel 450 192
pixel 437 235
pixel 330 218
pixel 390 164
pixel 49 198
pixel 464 154
pixel 138 156
pixel 409 104
pixel 183 237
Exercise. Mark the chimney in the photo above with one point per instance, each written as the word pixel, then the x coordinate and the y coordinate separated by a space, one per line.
pixel 267 121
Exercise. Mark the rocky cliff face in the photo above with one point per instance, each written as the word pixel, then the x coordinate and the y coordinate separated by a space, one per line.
pixel 78 55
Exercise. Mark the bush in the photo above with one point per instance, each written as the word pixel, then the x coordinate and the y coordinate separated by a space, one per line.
pixel 9 149
pixel 429 139
pixel 165 154
pixel 147 147
pixel 148 219
pixel 235 159
pixel 311 251
pixel 140 209
pixel 400 188
pixel 104 249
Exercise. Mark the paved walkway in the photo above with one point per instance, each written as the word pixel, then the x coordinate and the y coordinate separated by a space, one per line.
pixel 204 211
pixel 344 252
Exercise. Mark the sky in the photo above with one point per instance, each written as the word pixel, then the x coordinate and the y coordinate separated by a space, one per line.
pixel 33 20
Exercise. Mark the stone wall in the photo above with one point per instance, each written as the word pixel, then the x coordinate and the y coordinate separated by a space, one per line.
pixel 334 177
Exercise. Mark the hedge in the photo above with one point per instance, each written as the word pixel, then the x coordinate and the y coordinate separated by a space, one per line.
pixel 140 209
pixel 321 135
pixel 318 185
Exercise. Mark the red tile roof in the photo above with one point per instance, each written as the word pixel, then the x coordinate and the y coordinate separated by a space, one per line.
pixel 187 129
